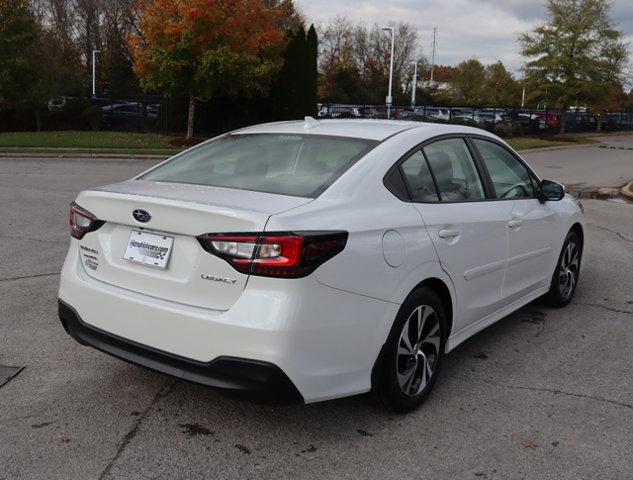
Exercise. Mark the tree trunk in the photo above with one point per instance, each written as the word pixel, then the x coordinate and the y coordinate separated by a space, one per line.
pixel 192 108
pixel 38 122
pixel 563 120
pixel 599 123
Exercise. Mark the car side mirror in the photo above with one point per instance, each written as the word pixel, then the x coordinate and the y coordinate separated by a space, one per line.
pixel 551 191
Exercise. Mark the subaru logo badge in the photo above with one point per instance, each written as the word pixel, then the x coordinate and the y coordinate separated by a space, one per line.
pixel 141 215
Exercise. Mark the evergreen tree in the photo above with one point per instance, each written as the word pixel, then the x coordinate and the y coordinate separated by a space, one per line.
pixel 294 94
pixel 312 54
pixel 20 57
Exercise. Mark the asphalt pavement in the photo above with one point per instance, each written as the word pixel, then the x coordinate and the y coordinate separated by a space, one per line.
pixel 586 168
pixel 542 394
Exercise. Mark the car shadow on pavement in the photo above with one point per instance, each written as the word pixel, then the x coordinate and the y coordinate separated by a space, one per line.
pixel 196 409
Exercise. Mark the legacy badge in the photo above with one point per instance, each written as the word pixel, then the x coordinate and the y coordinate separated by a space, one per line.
pixel 215 278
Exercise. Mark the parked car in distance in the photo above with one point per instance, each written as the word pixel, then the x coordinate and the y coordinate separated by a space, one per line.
pixel 337 111
pixel 530 123
pixel 57 104
pixel 304 261
pixel 482 119
pixel 436 114
pixel 372 112
pixel 126 113
pixel 461 112
pixel 413 116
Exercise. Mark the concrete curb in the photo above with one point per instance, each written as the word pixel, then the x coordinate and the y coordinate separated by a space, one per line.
pixel 627 191
pixel 132 156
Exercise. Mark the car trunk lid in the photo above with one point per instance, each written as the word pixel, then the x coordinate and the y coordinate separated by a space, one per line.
pixel 179 213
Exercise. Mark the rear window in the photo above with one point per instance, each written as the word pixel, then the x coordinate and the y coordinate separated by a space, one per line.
pixel 285 164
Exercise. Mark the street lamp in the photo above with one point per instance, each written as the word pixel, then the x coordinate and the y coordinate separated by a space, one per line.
pixel 389 99
pixel 415 83
pixel 94 71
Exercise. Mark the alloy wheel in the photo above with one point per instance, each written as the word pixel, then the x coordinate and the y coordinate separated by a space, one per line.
pixel 418 350
pixel 568 271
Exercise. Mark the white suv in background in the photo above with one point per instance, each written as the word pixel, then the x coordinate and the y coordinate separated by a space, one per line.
pixel 305 261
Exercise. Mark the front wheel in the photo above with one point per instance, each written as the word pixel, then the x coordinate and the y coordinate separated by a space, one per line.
pixel 567 272
pixel 412 356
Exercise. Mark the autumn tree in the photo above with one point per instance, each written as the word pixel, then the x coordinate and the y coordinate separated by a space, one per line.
pixel 500 87
pixel 339 72
pixel 467 86
pixel 72 29
pixel 441 73
pixel 207 48
pixel 576 55
pixel 354 61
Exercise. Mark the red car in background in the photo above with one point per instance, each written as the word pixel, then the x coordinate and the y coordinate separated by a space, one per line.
pixel 548 120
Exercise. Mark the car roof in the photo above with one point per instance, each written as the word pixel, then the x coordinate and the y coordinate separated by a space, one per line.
pixel 368 129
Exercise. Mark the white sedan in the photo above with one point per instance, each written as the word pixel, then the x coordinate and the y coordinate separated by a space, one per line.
pixel 305 261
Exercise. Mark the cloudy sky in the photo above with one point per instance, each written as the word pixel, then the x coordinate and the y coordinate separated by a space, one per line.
pixel 485 29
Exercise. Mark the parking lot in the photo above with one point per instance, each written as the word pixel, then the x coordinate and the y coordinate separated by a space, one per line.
pixel 543 394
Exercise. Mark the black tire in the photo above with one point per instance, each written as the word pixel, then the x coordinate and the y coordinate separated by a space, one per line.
pixel 392 367
pixel 567 270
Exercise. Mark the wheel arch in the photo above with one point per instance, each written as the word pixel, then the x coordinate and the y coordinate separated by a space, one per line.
pixel 442 291
pixel 578 230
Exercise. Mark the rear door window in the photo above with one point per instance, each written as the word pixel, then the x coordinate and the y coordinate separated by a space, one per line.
pixel 419 179
pixel 454 171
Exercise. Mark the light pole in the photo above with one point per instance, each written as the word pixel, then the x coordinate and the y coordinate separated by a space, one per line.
pixel 389 99
pixel 415 83
pixel 94 72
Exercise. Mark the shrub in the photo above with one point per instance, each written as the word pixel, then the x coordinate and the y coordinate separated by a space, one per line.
pixel 92 116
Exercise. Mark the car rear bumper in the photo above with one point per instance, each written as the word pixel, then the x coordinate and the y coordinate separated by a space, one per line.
pixel 239 377
pixel 323 339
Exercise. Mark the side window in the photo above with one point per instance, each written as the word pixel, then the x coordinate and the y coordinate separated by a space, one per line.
pixel 454 170
pixel 419 178
pixel 509 176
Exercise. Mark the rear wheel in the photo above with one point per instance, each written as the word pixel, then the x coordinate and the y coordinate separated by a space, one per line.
pixel 567 272
pixel 412 356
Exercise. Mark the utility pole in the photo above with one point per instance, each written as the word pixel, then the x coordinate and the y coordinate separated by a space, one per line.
pixel 415 83
pixel 433 48
pixel 389 99
pixel 94 72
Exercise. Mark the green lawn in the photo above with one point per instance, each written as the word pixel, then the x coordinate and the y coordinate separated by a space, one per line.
pixel 86 142
pixel 527 143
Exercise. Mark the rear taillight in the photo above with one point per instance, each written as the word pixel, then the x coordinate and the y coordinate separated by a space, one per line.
pixel 82 221
pixel 286 255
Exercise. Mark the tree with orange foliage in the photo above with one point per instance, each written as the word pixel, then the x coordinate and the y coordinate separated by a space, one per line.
pixel 203 48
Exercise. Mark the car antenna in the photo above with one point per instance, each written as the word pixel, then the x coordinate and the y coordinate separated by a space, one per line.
pixel 310 122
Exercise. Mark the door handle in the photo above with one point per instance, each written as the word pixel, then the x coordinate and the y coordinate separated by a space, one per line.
pixel 448 233
pixel 515 223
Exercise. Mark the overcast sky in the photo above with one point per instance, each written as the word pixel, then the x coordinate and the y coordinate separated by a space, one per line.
pixel 485 29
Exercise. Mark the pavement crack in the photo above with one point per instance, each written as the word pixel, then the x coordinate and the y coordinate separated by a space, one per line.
pixel 604 307
pixel 621 235
pixel 129 436
pixel 36 275
pixel 556 391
